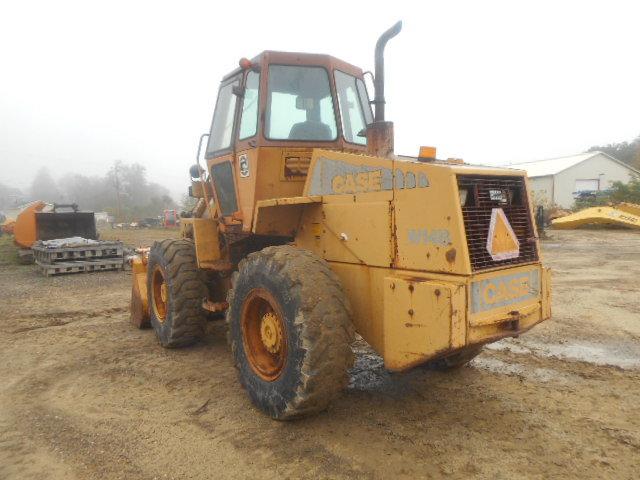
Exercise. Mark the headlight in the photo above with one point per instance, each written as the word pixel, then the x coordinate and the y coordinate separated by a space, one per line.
pixel 463 196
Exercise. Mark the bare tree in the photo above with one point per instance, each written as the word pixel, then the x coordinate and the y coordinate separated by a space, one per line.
pixel 44 187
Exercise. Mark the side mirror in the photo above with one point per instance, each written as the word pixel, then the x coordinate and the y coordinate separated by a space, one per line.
pixel 196 171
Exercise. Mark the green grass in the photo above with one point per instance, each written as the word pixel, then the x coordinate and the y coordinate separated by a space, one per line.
pixel 8 251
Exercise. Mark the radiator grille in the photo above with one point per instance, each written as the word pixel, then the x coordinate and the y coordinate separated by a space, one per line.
pixel 484 193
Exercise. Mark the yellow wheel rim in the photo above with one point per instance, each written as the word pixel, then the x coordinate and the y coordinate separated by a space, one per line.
pixel 264 334
pixel 160 294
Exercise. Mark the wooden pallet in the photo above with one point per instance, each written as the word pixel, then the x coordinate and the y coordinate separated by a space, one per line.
pixel 79 266
pixel 80 252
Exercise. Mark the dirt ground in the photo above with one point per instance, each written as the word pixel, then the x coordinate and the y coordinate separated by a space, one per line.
pixel 84 395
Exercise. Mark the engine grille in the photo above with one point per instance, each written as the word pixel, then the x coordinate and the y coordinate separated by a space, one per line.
pixel 484 193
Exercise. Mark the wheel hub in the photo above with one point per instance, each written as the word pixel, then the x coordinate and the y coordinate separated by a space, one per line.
pixel 270 332
pixel 163 292
pixel 264 334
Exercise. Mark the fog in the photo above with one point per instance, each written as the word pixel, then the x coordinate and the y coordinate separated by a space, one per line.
pixel 84 84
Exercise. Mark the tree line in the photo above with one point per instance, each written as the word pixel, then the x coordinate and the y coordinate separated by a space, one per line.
pixel 123 192
pixel 627 152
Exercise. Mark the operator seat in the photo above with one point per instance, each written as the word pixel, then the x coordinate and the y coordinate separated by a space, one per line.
pixel 310 130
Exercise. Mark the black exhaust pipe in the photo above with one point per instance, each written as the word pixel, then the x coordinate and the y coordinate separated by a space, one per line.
pixel 379 66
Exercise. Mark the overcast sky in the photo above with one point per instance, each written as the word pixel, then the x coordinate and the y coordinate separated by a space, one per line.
pixel 85 83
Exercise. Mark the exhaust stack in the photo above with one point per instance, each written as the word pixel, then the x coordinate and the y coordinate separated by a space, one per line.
pixel 379 66
pixel 380 132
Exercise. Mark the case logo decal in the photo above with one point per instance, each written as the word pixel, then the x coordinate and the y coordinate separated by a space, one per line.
pixel 504 290
pixel 335 177
pixel 243 162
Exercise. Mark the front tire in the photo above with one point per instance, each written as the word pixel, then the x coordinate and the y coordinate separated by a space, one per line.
pixel 290 331
pixel 175 292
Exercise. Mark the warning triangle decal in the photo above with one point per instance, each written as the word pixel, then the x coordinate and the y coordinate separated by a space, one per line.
pixel 502 243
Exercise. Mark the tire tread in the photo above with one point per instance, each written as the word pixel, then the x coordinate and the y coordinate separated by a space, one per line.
pixel 187 290
pixel 325 325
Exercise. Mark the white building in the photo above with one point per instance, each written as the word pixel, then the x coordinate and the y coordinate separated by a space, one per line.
pixel 556 181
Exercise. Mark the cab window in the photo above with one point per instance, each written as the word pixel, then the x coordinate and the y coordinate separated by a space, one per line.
pixel 222 175
pixel 223 117
pixel 249 118
pixel 299 104
pixel 355 111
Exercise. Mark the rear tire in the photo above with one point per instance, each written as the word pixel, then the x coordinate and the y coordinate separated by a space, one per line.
pixel 290 331
pixel 175 292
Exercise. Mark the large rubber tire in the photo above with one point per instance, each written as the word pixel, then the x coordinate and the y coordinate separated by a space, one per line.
pixel 316 326
pixel 184 319
pixel 455 361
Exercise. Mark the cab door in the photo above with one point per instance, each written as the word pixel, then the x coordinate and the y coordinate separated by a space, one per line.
pixel 247 151
pixel 220 153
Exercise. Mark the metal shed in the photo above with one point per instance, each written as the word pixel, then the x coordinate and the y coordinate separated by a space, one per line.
pixel 557 181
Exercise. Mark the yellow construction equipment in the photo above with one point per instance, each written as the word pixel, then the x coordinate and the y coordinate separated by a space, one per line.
pixel 309 228
pixel 623 215
pixel 8 225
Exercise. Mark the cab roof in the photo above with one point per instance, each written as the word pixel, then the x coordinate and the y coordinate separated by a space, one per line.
pixel 298 58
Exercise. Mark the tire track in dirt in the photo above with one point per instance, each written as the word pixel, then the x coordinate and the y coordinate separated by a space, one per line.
pixel 35 420
pixel 57 319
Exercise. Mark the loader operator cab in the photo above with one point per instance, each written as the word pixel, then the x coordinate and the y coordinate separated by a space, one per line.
pixel 286 99
pixel 271 112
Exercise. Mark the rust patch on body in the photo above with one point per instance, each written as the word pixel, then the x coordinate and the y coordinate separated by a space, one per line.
pixel 451 255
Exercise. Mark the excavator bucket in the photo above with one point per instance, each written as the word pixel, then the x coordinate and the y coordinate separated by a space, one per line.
pixel 24 230
pixel 52 225
pixel 623 215
pixel 139 305
pixel 41 221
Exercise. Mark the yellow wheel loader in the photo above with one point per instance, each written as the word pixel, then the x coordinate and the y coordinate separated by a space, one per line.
pixel 308 228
